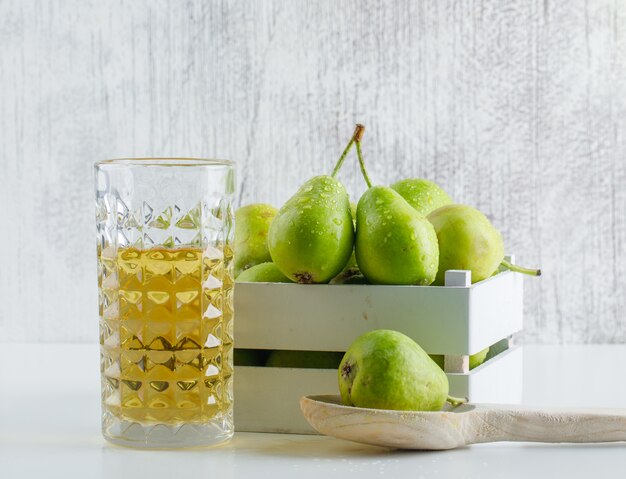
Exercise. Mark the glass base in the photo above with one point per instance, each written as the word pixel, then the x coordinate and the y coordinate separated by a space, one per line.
pixel 165 436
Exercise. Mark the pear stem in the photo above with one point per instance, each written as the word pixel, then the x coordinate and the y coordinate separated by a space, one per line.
pixel 519 269
pixel 362 164
pixel 356 136
pixel 454 402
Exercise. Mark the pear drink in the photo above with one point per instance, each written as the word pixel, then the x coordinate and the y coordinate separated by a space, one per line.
pixel 172 367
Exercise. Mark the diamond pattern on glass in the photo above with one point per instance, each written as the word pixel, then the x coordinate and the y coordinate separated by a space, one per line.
pixel 165 301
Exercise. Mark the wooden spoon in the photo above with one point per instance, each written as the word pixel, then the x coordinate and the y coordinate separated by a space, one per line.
pixel 462 425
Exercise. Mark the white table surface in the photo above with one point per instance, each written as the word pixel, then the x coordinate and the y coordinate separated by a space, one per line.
pixel 50 427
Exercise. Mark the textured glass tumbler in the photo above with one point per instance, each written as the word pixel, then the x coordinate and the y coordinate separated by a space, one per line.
pixel 165 277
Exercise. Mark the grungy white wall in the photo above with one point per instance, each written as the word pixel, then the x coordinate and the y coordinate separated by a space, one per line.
pixel 518 108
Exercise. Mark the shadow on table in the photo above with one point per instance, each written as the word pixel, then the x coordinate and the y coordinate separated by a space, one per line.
pixel 321 447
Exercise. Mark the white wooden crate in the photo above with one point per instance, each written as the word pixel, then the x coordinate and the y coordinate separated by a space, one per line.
pixel 456 320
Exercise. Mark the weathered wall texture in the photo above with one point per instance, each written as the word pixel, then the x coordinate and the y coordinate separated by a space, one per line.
pixel 516 107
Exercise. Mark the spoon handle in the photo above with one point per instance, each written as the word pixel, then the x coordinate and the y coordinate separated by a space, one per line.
pixel 518 423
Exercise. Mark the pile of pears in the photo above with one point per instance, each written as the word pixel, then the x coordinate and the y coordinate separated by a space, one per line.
pixel 409 233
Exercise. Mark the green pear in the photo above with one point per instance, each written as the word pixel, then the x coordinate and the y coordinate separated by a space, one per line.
pixel 312 235
pixel 467 241
pixel 394 243
pixel 385 369
pixel 304 359
pixel 249 357
pixel 349 270
pixel 351 264
pixel 475 360
pixel 478 358
pixel 423 195
pixel 263 273
pixel 252 223
pixel 353 212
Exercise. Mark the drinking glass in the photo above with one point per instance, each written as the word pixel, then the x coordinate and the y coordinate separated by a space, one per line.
pixel 165 278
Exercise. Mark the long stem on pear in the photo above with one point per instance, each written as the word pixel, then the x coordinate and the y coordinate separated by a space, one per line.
pixel 356 136
pixel 519 269
pixel 454 402
pixel 362 163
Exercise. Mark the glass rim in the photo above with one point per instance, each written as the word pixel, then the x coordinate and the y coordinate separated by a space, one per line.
pixel 164 161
